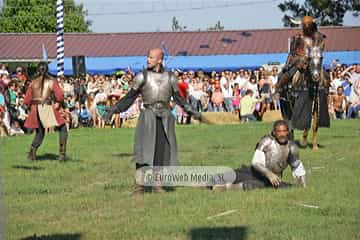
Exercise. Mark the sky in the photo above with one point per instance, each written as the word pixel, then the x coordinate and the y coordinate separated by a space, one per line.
pixel 156 15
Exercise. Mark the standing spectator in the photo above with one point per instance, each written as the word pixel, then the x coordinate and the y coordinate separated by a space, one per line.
pixel 242 81
pixel 100 95
pixel 115 118
pixel 23 111
pixel 335 83
pixel 20 74
pixel 82 94
pixel 354 78
pixel 12 96
pixel 247 106
pixel 197 94
pixel 92 84
pixel 184 92
pixel 338 102
pixel 218 99
pixel 91 106
pixel 265 86
pixel 253 86
pixel 3 69
pixel 228 96
pixel 74 112
pixel 68 88
pixel 100 111
pixel 274 79
pixel 236 99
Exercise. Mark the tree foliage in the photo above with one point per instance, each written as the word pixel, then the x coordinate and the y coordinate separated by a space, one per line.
pixel 216 27
pixel 326 12
pixel 175 26
pixel 40 16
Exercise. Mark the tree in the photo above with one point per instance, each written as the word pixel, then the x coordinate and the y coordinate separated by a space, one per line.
pixel 175 27
pixel 216 27
pixel 40 16
pixel 324 11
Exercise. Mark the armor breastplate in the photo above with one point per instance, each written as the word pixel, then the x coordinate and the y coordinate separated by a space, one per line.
pixel 276 156
pixel 307 46
pixel 42 91
pixel 157 89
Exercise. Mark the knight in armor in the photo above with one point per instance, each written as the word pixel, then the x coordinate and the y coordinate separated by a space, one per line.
pixel 155 140
pixel 296 90
pixel 44 90
pixel 273 154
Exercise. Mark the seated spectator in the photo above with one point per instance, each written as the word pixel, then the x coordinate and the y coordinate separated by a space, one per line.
pixel 16 129
pixel 353 110
pixel 84 116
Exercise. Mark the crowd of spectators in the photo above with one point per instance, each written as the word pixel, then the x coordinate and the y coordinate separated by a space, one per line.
pixel 246 93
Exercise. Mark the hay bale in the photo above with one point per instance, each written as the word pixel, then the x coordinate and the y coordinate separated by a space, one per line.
pixel 130 123
pixel 220 118
pixel 271 116
pixel 213 117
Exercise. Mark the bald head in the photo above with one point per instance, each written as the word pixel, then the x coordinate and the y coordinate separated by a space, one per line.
pixel 154 59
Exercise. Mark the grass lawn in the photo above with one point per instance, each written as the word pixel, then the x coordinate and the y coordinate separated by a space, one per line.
pixel 89 197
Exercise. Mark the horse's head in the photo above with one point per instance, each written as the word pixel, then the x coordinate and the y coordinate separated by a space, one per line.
pixel 315 63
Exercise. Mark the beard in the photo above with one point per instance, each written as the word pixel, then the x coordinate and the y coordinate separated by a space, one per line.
pixel 308 31
pixel 282 139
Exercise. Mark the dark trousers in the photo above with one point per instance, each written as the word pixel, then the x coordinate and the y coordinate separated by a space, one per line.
pixel 40 134
pixel 251 179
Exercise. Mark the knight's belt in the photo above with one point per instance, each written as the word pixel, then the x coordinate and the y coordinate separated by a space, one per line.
pixel 157 106
pixel 304 89
pixel 47 102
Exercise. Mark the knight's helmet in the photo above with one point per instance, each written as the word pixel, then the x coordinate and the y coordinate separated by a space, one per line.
pixel 307 19
pixel 42 67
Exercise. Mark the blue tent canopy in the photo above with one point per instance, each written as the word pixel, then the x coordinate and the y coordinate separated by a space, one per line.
pixel 109 65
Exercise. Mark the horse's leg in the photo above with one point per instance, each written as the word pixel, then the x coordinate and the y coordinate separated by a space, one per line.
pixel 315 131
pixel 303 141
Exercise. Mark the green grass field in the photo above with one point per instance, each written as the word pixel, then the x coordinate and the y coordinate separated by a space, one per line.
pixel 89 197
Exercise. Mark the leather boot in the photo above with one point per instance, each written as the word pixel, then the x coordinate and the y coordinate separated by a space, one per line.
pixel 139 183
pixel 32 154
pixel 157 187
pixel 62 152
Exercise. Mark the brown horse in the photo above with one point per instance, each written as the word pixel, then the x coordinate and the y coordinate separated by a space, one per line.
pixel 305 99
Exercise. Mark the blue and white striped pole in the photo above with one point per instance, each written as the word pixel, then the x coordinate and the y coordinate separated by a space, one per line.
pixel 60 37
